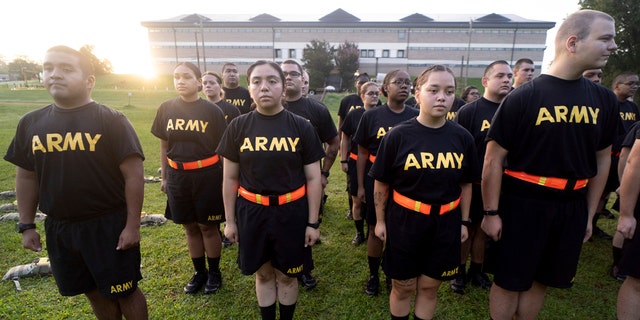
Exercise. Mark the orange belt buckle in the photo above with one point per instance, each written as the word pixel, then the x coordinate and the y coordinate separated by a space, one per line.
pixel 424 208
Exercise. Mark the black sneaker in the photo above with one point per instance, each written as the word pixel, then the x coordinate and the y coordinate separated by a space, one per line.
pixel 373 286
pixel 214 282
pixel 615 273
pixel 358 239
pixel 601 234
pixel 479 279
pixel 458 284
pixel 195 284
pixel 308 281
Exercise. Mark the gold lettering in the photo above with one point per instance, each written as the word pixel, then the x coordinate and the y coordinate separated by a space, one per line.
pixel 427 160
pixel 293 143
pixel 179 124
pixel 53 142
pixel 170 125
pixel 381 133
pixel 36 145
pixel 485 125
pixel 261 143
pixel 293 270
pixel 544 115
pixel 411 161
pixel 445 160
pixel 246 145
pixel 192 125
pixel 451 115
pixel 594 114
pixel 561 113
pixel 459 157
pixel 73 141
pixel 578 115
pixel 278 144
pixel 92 141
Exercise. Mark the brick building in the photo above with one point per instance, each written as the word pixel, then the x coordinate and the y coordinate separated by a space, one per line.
pixel 410 43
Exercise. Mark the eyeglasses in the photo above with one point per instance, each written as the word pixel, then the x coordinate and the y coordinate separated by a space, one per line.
pixel 293 74
pixel 474 93
pixel 398 83
pixel 633 83
pixel 373 93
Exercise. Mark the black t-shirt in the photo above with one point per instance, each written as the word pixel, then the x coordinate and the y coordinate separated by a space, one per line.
pixel 271 150
pixel 76 154
pixel 238 97
pixel 230 111
pixel 457 104
pixel 426 164
pixel 554 127
pixel 350 125
pixel 348 103
pixel 191 129
pixel 631 136
pixel 628 116
pixel 318 114
pixel 376 123
pixel 476 118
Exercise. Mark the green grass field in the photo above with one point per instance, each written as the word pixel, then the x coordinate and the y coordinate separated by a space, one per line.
pixel 341 268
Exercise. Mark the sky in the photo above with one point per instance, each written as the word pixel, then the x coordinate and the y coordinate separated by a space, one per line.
pixel 114 27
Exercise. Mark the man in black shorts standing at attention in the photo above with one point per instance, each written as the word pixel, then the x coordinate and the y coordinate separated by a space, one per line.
pixel 320 118
pixel 80 162
pixel 554 133
pixel 233 92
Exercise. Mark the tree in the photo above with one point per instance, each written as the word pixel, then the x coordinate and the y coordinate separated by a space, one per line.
pixel 99 67
pixel 625 12
pixel 318 60
pixel 24 69
pixel 347 62
pixel 4 66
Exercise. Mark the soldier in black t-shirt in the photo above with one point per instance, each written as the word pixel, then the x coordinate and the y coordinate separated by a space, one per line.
pixel 211 88
pixel 369 93
pixel 190 129
pixel 80 163
pixel 373 126
pixel 272 191
pixel 476 118
pixel 320 118
pixel 233 92
pixel 423 173
pixel 547 160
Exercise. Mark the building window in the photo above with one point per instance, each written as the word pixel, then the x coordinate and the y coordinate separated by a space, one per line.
pixel 363 53
pixel 385 53
pixel 278 53
pixel 292 53
pixel 400 53
pixel 371 53
pixel 401 34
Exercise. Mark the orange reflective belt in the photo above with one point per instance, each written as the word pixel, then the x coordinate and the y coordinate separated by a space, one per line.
pixel 372 158
pixel 551 182
pixel 193 164
pixel 423 207
pixel 267 200
pixel 615 154
pixel 353 156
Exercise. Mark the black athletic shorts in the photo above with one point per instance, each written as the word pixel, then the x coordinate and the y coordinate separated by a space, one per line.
pixel 420 244
pixel 630 261
pixel 195 195
pixel 272 233
pixel 541 237
pixel 352 178
pixel 369 212
pixel 476 209
pixel 83 256
pixel 612 180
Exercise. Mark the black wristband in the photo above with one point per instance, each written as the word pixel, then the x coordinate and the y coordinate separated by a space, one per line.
pixel 466 223
pixel 22 227
pixel 314 225
pixel 344 161
pixel 491 212
pixel 325 173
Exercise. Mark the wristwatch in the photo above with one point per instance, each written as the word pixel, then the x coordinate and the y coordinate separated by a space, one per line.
pixel 314 225
pixel 491 212
pixel 466 223
pixel 325 173
pixel 22 227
